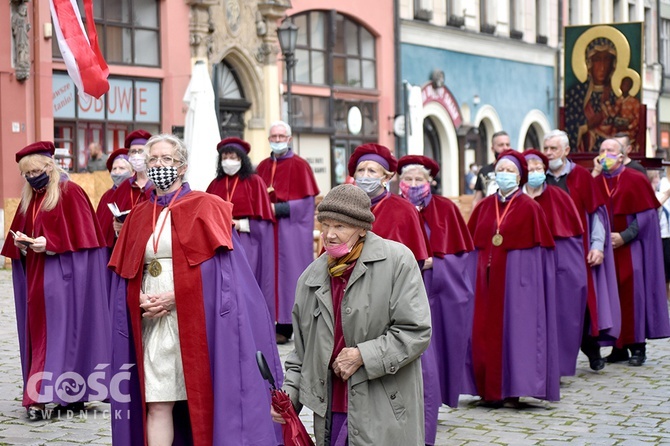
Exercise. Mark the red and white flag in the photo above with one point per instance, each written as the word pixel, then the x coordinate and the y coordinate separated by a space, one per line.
pixel 80 50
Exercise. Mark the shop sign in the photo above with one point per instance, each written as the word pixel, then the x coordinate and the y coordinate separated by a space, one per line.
pixel 122 103
pixel 441 94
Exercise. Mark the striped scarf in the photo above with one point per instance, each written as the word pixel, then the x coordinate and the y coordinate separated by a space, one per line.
pixel 337 267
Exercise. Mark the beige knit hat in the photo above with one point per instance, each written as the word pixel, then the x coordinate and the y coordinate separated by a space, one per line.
pixel 349 204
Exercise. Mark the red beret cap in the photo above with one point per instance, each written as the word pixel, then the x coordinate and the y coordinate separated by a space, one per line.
pixel 424 161
pixel 45 148
pixel 234 142
pixel 374 152
pixel 534 152
pixel 113 155
pixel 520 161
pixel 137 134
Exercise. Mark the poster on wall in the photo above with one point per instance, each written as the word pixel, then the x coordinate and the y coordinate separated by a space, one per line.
pixel 603 85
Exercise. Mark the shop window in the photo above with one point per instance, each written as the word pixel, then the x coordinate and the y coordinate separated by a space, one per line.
pixel 128 31
pixel 326 40
pixel 129 104
pixel 310 112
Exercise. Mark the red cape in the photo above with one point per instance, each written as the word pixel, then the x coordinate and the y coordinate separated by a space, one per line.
pixel 128 194
pixel 201 224
pixel 562 217
pixel 583 191
pixel 397 219
pixel 105 217
pixel 293 178
pixel 631 193
pixel 448 231
pixel 70 226
pixel 524 227
pixel 250 198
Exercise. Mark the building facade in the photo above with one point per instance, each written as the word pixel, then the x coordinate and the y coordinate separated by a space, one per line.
pixel 498 62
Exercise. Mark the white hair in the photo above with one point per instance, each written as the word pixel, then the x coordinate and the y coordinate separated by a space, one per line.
pixel 421 168
pixel 561 135
pixel 283 124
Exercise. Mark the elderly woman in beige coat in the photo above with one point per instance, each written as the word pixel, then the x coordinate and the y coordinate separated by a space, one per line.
pixel 362 321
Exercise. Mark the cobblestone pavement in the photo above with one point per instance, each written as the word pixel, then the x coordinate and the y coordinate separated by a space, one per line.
pixel 621 405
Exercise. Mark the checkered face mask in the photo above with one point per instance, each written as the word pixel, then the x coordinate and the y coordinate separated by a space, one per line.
pixel 163 177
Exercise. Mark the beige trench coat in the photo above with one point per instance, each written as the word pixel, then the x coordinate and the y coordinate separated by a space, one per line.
pixel 385 314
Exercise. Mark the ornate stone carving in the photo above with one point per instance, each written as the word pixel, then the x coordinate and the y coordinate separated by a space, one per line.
pixel 20 29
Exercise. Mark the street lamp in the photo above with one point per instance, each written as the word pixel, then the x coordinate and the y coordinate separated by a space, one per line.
pixel 288 36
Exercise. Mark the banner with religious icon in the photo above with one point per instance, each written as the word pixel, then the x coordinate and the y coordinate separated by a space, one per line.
pixel 603 85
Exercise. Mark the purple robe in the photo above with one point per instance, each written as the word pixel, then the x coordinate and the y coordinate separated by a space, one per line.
pixel 530 348
pixel 605 284
pixel 78 323
pixel 259 247
pixel 450 288
pixel 295 240
pixel 571 294
pixel 650 301
pixel 237 324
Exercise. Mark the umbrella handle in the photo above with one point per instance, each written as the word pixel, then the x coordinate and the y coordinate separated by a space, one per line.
pixel 265 369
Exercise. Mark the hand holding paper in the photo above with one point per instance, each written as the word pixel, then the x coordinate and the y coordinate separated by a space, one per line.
pixel 118 214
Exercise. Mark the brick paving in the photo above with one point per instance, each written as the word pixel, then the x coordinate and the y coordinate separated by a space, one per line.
pixel 621 405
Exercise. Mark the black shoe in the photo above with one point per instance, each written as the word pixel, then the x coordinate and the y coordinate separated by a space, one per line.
pixel 73 407
pixel 617 355
pixel 637 358
pixel 281 339
pixel 596 364
pixel 35 412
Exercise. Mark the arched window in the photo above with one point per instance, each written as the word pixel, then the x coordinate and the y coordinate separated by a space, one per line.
pixel 334 50
pixel 230 100
pixel 532 140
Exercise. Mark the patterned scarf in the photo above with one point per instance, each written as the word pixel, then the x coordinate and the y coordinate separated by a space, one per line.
pixel 337 267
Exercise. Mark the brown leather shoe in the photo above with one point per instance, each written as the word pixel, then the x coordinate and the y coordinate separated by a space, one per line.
pixel 281 339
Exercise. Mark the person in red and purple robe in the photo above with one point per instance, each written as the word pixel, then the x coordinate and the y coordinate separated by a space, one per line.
pixel 137 188
pixel 636 239
pixel 372 166
pixel 514 346
pixel 602 319
pixel 120 170
pixel 60 287
pixel 191 379
pixel 237 183
pixel 571 282
pixel 449 280
pixel 292 189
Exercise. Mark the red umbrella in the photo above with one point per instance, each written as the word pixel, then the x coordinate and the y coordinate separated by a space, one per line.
pixel 293 431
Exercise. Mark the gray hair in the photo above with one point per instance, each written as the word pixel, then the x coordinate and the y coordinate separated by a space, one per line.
pixel 622 148
pixel 421 168
pixel 561 135
pixel 176 143
pixel 283 124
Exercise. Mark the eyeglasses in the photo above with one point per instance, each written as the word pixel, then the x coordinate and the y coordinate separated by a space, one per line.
pixel 166 161
pixel 33 173
pixel 135 151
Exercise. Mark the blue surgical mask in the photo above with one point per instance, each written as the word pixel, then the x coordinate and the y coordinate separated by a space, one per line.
pixel 536 179
pixel 279 148
pixel 506 181
pixel 370 186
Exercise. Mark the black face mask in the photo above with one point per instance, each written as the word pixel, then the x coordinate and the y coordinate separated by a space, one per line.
pixel 39 182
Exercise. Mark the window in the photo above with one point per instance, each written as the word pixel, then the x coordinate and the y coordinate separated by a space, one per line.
pixel 129 104
pixel 665 45
pixel 648 37
pixel 595 12
pixel 618 16
pixel 329 42
pixel 128 31
pixel 423 10
pixel 310 113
